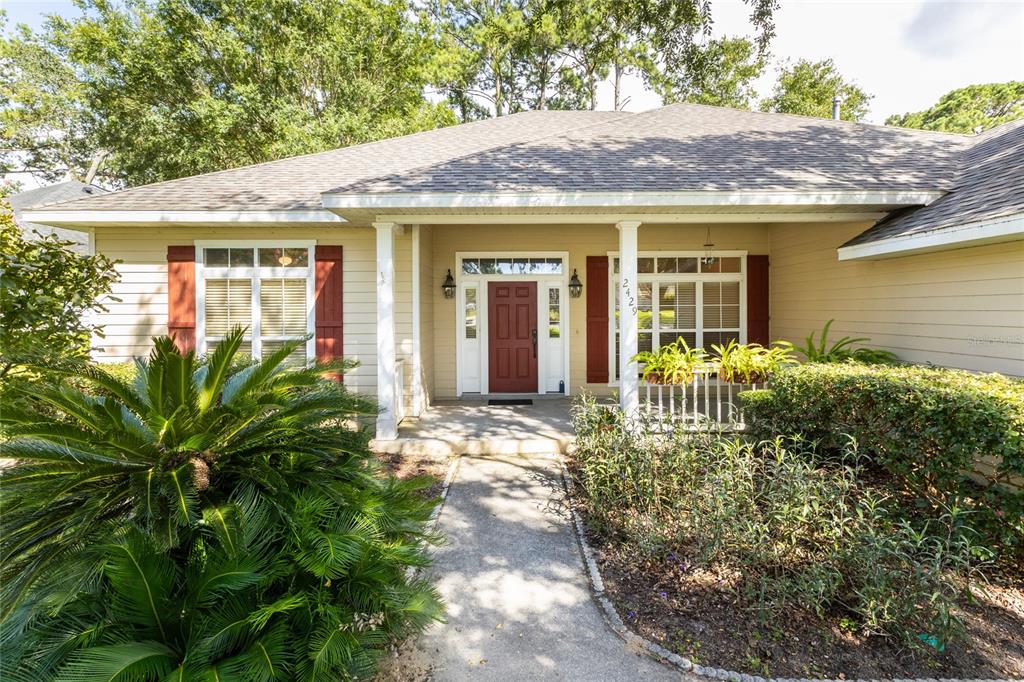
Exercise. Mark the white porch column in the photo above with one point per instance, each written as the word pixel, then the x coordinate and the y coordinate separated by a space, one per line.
pixel 387 423
pixel 629 380
pixel 417 350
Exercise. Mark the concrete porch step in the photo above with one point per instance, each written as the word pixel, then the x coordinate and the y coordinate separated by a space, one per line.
pixel 472 446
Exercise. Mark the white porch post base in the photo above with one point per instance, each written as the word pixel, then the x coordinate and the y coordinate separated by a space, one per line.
pixel 629 380
pixel 387 423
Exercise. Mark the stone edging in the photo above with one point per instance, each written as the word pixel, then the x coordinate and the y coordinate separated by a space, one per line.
pixel 657 651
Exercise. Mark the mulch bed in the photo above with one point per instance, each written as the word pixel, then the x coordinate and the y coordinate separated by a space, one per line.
pixel 408 466
pixel 691 612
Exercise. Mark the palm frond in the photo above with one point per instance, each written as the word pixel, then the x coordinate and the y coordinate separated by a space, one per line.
pixel 134 662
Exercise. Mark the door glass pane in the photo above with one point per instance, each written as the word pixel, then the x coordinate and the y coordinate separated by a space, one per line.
pixel 471 317
pixel 471 266
pixel 554 314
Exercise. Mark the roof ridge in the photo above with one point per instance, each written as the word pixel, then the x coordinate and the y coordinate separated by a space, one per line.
pixel 620 115
pixel 815 118
pixel 271 162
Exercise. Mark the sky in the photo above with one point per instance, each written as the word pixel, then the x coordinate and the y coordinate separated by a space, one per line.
pixel 907 53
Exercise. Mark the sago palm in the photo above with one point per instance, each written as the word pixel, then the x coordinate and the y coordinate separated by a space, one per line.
pixel 134 492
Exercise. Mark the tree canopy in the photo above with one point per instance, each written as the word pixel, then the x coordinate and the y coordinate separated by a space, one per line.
pixel 728 68
pixel 807 88
pixel 178 87
pixel 966 110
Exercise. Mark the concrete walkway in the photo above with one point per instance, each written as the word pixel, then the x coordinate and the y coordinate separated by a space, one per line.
pixel 519 606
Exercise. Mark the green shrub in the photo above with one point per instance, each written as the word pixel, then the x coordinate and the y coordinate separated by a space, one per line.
pixel 789 531
pixel 927 427
pixel 209 520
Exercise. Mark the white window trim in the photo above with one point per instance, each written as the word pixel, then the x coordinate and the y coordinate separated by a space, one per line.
pixel 741 277
pixel 463 280
pixel 255 274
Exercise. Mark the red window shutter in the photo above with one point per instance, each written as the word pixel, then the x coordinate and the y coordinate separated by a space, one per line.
pixel 757 300
pixel 181 296
pixel 329 305
pixel 597 319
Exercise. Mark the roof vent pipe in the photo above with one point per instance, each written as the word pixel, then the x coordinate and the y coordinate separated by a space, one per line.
pixel 836 101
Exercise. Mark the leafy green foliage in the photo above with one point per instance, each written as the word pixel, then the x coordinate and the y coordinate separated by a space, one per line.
pixel 513 55
pixel 782 529
pixel 176 87
pixel 751 363
pixel 928 428
pixel 724 78
pixel 46 293
pixel 673 363
pixel 819 350
pixel 807 88
pixel 216 518
pixel 965 110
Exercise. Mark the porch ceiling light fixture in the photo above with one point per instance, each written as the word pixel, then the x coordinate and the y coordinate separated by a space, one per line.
pixel 575 285
pixel 708 259
pixel 449 286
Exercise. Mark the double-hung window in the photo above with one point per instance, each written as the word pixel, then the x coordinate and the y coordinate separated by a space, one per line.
pixel 268 289
pixel 696 297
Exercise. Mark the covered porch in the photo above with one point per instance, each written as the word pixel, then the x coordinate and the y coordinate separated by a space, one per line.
pixel 474 427
pixel 596 289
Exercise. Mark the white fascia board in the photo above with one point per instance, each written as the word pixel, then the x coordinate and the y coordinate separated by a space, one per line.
pixel 62 218
pixel 1000 229
pixel 471 200
pixel 612 218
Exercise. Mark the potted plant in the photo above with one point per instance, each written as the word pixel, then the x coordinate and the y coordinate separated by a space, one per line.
pixel 751 363
pixel 672 364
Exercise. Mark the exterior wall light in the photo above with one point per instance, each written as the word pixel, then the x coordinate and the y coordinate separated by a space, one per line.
pixel 449 286
pixel 575 285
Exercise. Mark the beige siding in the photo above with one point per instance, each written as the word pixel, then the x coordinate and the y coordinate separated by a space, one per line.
pixel 142 311
pixel 579 241
pixel 961 308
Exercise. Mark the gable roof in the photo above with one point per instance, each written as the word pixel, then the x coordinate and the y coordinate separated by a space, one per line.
pixel 691 147
pixel 989 185
pixel 683 147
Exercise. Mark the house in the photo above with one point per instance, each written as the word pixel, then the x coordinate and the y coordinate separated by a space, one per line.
pixel 52 194
pixel 494 257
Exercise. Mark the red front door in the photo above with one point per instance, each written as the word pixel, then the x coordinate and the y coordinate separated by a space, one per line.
pixel 512 342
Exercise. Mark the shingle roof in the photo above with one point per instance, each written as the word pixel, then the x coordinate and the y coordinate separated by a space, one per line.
pixel 679 147
pixel 43 196
pixel 989 184
pixel 296 183
pixel 694 147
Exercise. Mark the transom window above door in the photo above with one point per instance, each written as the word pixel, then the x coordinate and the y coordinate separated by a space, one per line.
pixel 267 289
pixel 512 266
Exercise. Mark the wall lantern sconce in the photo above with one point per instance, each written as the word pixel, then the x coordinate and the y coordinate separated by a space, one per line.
pixel 575 285
pixel 449 286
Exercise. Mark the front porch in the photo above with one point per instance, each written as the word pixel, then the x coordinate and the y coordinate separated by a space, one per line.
pixel 474 427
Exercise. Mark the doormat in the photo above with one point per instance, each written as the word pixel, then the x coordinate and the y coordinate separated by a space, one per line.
pixel 510 401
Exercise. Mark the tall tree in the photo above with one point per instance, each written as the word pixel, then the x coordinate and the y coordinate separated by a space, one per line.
pixel 728 67
pixel 520 54
pixel 178 87
pixel 966 110
pixel 807 88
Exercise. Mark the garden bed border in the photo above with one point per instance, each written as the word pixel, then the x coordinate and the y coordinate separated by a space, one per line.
pixel 453 467
pixel 660 653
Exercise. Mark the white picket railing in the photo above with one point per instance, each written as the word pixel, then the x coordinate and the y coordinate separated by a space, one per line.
pixel 706 401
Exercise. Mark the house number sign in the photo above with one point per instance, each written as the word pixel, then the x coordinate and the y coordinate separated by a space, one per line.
pixel 630 299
